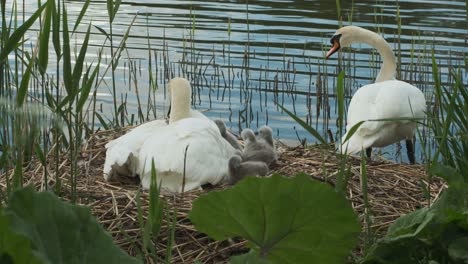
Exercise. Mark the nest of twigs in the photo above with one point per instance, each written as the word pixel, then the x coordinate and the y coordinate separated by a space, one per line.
pixel 393 190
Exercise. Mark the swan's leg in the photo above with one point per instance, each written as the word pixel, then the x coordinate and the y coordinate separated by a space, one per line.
pixel 410 151
pixel 369 152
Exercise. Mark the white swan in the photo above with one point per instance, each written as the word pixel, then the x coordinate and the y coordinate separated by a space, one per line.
pixel 122 154
pixel 386 99
pixel 188 152
pixel 190 146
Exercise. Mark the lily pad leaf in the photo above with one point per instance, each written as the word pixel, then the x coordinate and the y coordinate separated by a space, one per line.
pixel 285 220
pixel 60 232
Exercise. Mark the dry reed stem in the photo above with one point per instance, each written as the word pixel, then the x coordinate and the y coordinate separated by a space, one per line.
pixel 393 190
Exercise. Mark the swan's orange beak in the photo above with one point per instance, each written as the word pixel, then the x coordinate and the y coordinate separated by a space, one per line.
pixel 335 41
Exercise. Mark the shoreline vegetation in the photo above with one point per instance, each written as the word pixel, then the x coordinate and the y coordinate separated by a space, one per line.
pixel 53 133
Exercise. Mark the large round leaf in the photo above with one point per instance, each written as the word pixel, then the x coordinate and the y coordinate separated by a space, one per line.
pixel 60 232
pixel 286 220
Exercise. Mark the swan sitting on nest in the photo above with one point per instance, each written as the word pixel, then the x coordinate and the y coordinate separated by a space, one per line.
pixel 188 152
pixel 386 99
pixel 122 154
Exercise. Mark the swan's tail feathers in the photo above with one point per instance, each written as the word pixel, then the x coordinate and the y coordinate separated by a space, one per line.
pixel 120 165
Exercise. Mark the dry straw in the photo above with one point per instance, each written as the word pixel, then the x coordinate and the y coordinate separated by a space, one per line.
pixel 393 190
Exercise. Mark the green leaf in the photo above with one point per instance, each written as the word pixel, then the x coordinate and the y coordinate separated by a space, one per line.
pixel 44 38
pixel 67 71
pixel 40 154
pixel 14 247
pixel 458 249
pixel 80 16
pixel 102 31
pixel 286 220
pixel 61 232
pixel 451 175
pixel 410 224
pixel 56 29
pixel 86 89
pixel 116 7
pixel 427 232
pixel 309 129
pixel 24 86
pixel 15 38
pixel 77 70
pixel 340 95
pixel 353 130
pixel 249 258
pixel 101 120
pixel 112 9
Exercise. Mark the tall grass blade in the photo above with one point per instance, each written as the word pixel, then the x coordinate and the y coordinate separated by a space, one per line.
pixel 77 70
pixel 340 94
pixel 112 9
pixel 353 130
pixel 82 13
pixel 24 86
pixel 309 129
pixel 44 39
pixel 16 36
pixel 67 71
pixel 86 89
pixel 56 29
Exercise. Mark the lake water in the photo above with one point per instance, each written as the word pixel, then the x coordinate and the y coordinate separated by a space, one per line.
pixel 241 56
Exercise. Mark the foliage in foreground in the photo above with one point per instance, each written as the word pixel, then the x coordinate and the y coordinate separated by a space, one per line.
pixel 285 220
pixel 39 228
pixel 438 234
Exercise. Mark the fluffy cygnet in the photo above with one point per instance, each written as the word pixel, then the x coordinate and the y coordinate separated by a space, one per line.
pixel 227 134
pixel 265 133
pixel 239 169
pixel 257 150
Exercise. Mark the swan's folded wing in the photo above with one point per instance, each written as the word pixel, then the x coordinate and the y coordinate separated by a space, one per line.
pixel 122 153
pixel 206 159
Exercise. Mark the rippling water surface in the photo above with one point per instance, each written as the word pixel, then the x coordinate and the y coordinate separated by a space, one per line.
pixel 241 56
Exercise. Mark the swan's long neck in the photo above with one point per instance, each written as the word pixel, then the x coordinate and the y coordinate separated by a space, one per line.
pixel 388 70
pixel 180 106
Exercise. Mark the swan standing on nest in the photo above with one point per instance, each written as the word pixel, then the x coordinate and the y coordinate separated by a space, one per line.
pixel 386 99
pixel 122 154
pixel 187 153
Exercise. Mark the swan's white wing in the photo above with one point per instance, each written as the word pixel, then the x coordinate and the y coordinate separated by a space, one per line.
pixel 207 155
pixel 384 100
pixel 197 114
pixel 122 152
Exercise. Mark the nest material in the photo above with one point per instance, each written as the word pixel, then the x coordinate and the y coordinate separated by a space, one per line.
pixel 393 190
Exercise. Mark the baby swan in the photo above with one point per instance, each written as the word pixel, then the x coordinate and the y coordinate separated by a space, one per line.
pixel 239 170
pixel 258 150
pixel 265 133
pixel 227 134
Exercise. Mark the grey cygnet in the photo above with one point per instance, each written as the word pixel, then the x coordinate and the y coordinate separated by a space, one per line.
pixel 258 150
pixel 239 169
pixel 226 134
